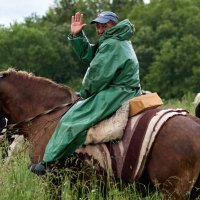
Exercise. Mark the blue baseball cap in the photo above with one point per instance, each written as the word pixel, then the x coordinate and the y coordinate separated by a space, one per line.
pixel 105 17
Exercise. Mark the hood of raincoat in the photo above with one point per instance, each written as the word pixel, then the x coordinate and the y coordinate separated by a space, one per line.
pixel 122 31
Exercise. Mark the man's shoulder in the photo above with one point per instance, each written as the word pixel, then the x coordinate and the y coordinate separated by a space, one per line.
pixel 110 42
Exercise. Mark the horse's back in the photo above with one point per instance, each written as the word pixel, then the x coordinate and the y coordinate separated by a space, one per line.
pixel 174 161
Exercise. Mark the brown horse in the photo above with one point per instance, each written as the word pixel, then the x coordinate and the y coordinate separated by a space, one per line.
pixel 35 105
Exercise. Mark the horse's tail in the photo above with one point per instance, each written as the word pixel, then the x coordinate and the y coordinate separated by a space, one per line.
pixel 197 105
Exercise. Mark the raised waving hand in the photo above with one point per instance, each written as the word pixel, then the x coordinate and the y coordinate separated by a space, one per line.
pixel 77 24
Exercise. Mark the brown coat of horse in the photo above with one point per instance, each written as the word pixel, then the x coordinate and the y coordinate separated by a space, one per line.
pixel 174 161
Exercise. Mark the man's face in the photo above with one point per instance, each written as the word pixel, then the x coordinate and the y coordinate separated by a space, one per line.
pixel 100 28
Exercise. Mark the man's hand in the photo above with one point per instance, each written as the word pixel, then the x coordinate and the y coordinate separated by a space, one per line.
pixel 77 24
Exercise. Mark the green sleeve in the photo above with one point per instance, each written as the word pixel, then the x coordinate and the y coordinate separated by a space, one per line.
pixel 84 50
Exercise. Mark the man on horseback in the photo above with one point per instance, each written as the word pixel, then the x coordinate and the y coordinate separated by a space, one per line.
pixel 111 80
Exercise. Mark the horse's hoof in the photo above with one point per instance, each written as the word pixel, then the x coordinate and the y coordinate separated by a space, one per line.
pixel 38 169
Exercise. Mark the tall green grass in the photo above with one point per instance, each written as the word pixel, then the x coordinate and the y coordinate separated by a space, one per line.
pixel 18 183
pixel 187 103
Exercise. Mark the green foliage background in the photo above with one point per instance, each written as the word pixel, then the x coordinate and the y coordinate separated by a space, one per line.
pixel 166 41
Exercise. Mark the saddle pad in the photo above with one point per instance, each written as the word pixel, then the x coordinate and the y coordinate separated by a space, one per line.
pixel 126 158
pixel 113 128
pixel 109 129
pixel 141 142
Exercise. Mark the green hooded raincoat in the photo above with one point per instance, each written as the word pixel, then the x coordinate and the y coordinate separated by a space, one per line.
pixel 112 78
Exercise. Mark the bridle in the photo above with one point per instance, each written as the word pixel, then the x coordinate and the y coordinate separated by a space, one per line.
pixel 11 126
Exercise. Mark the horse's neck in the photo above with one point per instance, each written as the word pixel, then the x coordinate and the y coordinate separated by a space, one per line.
pixel 31 103
pixel 39 132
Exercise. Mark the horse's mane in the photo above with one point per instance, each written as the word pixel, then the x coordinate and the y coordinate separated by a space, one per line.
pixel 34 81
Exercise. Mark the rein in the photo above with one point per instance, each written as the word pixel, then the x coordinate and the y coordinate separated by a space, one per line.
pixel 11 126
